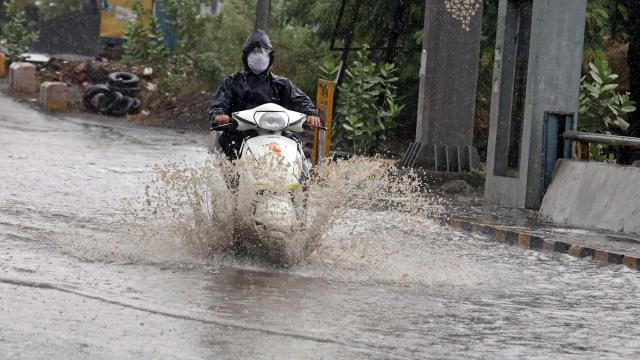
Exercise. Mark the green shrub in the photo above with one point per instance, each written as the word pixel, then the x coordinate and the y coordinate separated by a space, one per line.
pixel 137 34
pixel 367 107
pixel 157 51
pixel 16 32
pixel 186 23
pixel 173 83
pixel 602 108
pixel 207 70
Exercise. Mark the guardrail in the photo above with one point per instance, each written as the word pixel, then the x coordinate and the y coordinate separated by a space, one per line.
pixel 583 139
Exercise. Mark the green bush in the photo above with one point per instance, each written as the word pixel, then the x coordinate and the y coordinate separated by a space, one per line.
pixel 145 40
pixel 602 108
pixel 207 70
pixel 137 34
pixel 173 83
pixel 367 108
pixel 187 24
pixel 16 32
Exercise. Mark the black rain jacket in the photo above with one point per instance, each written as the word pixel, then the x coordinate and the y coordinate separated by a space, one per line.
pixel 246 90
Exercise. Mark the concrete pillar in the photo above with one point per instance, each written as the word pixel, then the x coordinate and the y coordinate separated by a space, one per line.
pixel 54 96
pixel 22 77
pixel 3 65
pixel 538 58
pixel 448 82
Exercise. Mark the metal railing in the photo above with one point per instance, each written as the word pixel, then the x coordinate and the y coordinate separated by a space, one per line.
pixel 583 139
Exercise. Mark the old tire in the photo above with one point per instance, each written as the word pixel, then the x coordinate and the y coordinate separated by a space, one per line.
pixel 122 106
pixel 121 79
pixel 100 99
pixel 135 107
pixel 126 91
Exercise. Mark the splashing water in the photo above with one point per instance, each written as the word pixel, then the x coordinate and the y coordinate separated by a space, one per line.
pixel 192 204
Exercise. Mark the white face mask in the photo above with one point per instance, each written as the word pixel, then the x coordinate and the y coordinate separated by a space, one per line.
pixel 258 62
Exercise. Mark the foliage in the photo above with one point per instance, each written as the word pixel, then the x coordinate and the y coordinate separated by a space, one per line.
pixel 157 51
pixel 16 32
pixel 207 70
pixel 487 51
pixel 609 19
pixel 602 108
pixel 375 22
pixel 137 34
pixel 598 152
pixel 173 82
pixel 368 107
pixel 298 49
pixel 186 23
pixel 145 40
pixel 188 26
pixel 299 52
pixel 597 28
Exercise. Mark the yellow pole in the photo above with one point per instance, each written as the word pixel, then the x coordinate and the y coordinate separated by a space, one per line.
pixel 328 120
pixel 3 65
pixel 324 103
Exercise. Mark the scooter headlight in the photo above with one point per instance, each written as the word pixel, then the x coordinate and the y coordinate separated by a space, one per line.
pixel 272 120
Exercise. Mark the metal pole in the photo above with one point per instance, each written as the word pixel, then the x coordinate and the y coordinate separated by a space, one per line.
pixel 263 10
pixel 348 40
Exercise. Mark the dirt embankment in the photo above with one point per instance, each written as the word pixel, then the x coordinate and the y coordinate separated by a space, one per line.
pixel 188 110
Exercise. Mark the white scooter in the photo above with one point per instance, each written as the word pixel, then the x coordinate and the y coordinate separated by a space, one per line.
pixel 272 170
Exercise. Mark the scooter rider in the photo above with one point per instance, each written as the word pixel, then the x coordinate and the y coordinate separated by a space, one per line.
pixel 255 86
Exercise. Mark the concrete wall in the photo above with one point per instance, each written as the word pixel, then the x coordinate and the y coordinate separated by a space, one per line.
pixel 558 40
pixel 553 80
pixel 594 195
pixel 72 33
pixel 449 72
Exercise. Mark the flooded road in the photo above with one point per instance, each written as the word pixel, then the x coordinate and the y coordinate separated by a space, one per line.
pixel 81 278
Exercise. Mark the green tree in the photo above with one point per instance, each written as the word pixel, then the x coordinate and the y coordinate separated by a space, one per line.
pixel 17 31
pixel 379 21
pixel 299 50
pixel 618 20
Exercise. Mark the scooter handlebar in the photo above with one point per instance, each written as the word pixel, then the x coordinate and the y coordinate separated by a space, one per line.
pixel 223 127
pixel 315 127
pixel 231 125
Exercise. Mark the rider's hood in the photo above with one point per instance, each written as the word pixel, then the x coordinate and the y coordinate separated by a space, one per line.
pixel 257 37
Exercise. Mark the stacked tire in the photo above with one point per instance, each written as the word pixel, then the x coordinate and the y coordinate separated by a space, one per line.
pixel 116 98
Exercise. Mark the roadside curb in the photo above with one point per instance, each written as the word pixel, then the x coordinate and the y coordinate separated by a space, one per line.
pixel 533 242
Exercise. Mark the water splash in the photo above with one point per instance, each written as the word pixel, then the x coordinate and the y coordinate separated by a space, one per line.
pixel 191 204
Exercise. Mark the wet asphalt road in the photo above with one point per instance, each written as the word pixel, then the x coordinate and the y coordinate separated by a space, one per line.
pixel 76 283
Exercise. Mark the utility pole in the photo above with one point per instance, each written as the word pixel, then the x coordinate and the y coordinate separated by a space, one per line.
pixel 263 10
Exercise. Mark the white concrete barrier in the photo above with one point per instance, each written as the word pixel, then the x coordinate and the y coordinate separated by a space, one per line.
pixel 54 96
pixel 22 77
pixel 594 195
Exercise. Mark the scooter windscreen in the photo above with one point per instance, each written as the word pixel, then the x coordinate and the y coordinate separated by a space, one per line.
pixel 269 117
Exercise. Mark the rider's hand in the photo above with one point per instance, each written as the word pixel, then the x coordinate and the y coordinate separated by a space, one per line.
pixel 314 121
pixel 222 119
